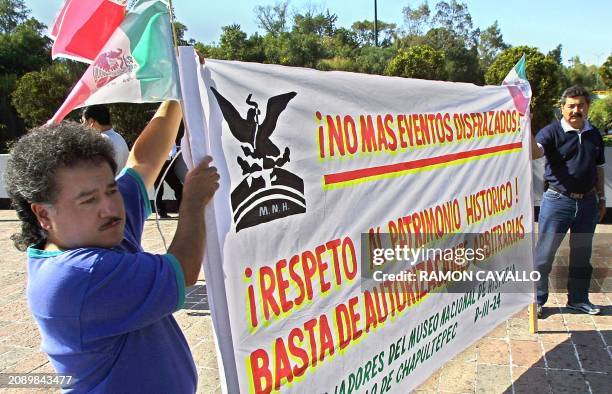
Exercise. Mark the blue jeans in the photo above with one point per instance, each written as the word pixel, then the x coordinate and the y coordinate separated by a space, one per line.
pixel 559 213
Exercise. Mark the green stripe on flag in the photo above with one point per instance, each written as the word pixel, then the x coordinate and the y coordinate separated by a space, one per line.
pixel 152 47
pixel 520 68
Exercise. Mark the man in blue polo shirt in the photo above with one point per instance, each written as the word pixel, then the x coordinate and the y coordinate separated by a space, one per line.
pixel 574 199
pixel 103 305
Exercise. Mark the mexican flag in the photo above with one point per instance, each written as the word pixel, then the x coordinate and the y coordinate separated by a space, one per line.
pixel 518 85
pixel 136 65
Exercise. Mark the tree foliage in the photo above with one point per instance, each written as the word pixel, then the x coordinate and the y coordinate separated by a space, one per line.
pixel 373 60
pixel 490 44
pixel 440 42
pixel 387 32
pixel 38 94
pixel 418 61
pixel 605 72
pixel 544 76
pixel 233 43
pixel 23 48
pixel 454 16
pixel 12 14
pixel 466 52
pixel 310 38
pixel 579 73
pixel 600 113
pixel 555 54
pixel 417 18
pixel 461 64
pixel 180 29
pixel 11 126
pixel 273 19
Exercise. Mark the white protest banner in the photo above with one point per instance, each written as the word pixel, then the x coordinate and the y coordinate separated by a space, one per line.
pixel 327 177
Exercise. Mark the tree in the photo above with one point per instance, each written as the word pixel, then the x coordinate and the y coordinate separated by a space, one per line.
pixel 605 72
pixel 544 76
pixel 452 16
pixel 209 51
pixel 461 64
pixel 373 60
pixel 490 44
pixel 341 48
pixel 579 73
pixel 11 126
pixel 417 18
pixel 180 30
pixel 23 48
pixel 275 48
pixel 455 17
pixel 302 50
pixel 38 94
pixel 306 44
pixel 233 42
pixel 273 19
pixel 320 24
pixel 369 59
pixel 342 43
pixel 234 45
pixel 12 14
pixel 600 113
pixel 555 54
pixel 419 61
pixel 451 31
pixel 366 35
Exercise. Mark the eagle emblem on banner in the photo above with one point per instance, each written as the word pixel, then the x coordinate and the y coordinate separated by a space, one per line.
pixel 267 191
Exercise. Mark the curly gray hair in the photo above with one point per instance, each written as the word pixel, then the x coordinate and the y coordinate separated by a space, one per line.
pixel 34 162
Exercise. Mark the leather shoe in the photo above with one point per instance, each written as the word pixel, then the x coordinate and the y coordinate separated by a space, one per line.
pixel 585 307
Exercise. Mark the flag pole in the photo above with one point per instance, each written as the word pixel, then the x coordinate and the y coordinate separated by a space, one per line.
pixel 171 9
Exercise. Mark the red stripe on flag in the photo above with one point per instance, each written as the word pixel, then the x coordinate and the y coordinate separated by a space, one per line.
pixel 520 101
pixel 77 96
pixel 362 173
pixel 83 27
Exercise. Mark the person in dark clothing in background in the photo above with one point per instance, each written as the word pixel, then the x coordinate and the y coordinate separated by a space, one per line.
pixel 172 180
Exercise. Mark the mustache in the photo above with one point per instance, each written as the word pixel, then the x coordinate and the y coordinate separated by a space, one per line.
pixel 577 114
pixel 110 222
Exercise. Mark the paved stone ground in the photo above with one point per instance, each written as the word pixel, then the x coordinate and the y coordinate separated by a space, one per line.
pixel 572 353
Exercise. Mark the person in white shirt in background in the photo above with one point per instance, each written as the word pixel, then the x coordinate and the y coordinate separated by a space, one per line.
pixel 98 117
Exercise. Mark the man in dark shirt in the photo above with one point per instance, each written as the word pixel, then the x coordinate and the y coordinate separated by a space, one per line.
pixel 574 199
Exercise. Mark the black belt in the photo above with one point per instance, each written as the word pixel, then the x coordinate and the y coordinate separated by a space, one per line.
pixel 576 196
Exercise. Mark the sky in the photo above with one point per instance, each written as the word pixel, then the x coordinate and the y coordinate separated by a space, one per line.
pixel 583 28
